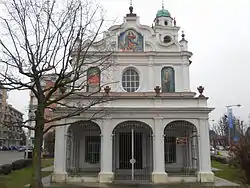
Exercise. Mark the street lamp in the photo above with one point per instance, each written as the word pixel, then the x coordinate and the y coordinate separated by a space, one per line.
pixel 234 105
pixel 229 115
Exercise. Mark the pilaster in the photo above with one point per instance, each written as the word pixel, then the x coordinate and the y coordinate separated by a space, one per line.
pixel 151 78
pixel 185 72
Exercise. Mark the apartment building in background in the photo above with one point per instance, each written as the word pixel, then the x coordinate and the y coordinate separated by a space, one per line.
pixel 11 134
pixel 47 82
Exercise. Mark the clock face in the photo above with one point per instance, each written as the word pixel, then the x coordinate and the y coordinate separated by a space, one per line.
pixel 167 39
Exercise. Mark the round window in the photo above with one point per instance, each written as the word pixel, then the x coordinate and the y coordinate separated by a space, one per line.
pixel 130 80
pixel 167 39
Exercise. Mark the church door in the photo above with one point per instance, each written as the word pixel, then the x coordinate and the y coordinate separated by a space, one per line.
pixel 132 152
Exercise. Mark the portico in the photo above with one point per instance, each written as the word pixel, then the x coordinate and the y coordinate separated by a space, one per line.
pixel 137 143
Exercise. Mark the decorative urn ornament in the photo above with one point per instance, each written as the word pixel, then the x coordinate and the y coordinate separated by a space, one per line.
pixel 200 90
pixel 107 89
pixel 157 90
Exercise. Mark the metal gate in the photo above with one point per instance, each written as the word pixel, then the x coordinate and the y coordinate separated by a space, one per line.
pixel 83 148
pixel 181 148
pixel 132 151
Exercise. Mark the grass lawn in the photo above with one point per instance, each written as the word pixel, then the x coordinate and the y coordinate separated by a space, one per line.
pixel 20 178
pixel 228 173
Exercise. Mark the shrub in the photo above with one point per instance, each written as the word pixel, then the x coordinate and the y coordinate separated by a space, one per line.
pixel 6 169
pixel 241 152
pixel 19 164
pixel 22 163
pixel 48 156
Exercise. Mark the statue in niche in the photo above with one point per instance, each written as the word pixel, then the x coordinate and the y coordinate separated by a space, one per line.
pixel 168 80
pixel 130 41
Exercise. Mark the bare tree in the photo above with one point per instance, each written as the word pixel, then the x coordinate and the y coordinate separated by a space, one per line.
pixel 220 132
pixel 41 37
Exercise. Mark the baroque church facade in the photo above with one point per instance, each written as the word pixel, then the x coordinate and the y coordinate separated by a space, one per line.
pixel 157 130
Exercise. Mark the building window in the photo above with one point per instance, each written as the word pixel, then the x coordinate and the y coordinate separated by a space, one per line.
pixel 167 39
pixel 166 22
pixel 157 21
pixel 168 80
pixel 92 149
pixel 170 149
pixel 130 80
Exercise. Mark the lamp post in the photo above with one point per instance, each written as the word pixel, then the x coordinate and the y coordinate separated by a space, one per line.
pixel 230 115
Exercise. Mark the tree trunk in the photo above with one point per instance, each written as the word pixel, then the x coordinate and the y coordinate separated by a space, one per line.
pixel 36 181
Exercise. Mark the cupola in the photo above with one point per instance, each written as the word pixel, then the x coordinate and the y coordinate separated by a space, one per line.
pixel 163 17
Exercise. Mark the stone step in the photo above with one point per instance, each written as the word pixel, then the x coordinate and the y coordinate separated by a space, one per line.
pixel 79 179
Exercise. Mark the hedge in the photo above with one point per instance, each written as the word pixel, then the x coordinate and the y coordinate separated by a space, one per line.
pixel 6 169
pixel 48 156
pixel 16 165
pixel 22 163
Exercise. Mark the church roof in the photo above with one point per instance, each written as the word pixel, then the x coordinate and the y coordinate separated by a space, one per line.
pixel 163 13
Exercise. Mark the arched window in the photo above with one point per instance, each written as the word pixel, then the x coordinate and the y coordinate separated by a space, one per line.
pixel 167 79
pixel 93 79
pixel 130 80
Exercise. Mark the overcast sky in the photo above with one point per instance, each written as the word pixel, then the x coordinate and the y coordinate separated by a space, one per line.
pixel 218 32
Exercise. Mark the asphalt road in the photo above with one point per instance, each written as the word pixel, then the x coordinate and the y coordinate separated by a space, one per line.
pixel 7 157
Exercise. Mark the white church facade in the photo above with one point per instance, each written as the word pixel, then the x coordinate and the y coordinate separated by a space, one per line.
pixel 157 130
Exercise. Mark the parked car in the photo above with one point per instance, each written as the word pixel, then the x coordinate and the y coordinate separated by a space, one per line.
pixel 227 148
pixel 221 148
pixel 21 148
pixel 5 148
pixel 13 147
pixel 212 150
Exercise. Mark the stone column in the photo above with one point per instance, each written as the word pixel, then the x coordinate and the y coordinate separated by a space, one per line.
pixel 106 175
pixel 60 174
pixel 205 173
pixel 159 175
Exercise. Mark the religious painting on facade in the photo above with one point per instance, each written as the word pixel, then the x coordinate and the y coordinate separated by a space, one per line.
pixel 130 41
pixel 167 80
pixel 93 78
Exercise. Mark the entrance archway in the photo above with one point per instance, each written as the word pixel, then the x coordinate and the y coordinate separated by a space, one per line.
pixel 83 148
pixel 181 148
pixel 132 151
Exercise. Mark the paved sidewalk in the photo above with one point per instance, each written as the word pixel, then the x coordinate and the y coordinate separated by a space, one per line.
pixel 48 169
pixel 219 182
pixel 215 169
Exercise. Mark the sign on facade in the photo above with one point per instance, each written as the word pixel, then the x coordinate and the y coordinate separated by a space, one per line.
pixel 181 140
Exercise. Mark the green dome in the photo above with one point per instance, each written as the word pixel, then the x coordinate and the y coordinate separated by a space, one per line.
pixel 163 13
